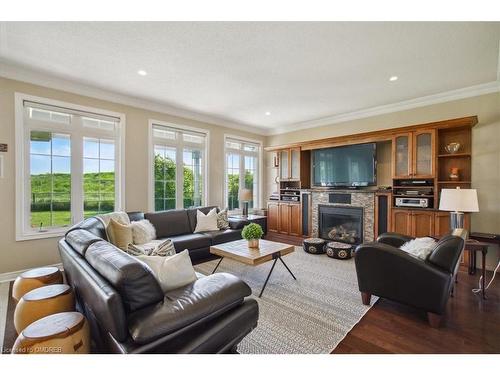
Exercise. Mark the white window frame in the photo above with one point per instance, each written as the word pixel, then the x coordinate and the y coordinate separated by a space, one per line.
pixel 260 184
pixel 77 133
pixel 179 145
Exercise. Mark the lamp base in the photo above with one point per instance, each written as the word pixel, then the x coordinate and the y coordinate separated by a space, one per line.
pixel 456 220
pixel 245 209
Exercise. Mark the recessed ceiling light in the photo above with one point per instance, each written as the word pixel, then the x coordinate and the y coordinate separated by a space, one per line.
pixel 268 113
pixel 393 78
pixel 142 72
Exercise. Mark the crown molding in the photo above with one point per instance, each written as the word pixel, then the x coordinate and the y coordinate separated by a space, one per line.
pixel 448 96
pixel 24 74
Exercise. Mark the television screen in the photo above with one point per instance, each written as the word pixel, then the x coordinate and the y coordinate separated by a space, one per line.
pixel 345 166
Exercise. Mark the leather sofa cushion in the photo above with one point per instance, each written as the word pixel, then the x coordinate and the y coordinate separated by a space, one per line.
pixel 135 215
pixel 237 223
pixel 169 223
pixel 81 239
pixel 222 236
pixel 191 212
pixel 131 278
pixel 206 298
pixel 191 241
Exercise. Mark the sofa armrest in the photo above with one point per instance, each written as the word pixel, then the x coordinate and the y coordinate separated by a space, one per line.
pixel 386 271
pixel 394 239
pixel 237 223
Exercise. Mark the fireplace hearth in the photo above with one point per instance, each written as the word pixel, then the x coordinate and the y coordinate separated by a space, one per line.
pixel 344 224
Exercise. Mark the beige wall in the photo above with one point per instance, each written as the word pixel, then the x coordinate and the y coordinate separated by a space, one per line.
pixel 25 254
pixel 485 148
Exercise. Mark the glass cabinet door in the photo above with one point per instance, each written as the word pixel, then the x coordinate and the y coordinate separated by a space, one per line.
pixel 401 155
pixel 295 163
pixel 284 165
pixel 424 154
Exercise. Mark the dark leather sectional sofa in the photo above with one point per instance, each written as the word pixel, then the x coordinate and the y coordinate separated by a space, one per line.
pixel 125 306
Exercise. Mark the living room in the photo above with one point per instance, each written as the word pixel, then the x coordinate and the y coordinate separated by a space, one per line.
pixel 250 194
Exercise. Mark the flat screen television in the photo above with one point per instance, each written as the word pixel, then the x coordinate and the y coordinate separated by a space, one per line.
pixel 345 166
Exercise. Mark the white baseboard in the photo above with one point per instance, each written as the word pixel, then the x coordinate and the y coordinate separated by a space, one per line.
pixel 9 276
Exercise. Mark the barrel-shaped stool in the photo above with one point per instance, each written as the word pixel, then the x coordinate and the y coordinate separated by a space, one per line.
pixel 41 302
pixel 339 250
pixel 35 278
pixel 314 245
pixel 63 333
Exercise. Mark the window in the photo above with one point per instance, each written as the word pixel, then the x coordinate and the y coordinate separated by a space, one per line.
pixel 178 168
pixel 67 165
pixel 242 171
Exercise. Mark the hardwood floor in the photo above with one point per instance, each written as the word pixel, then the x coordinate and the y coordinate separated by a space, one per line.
pixel 471 325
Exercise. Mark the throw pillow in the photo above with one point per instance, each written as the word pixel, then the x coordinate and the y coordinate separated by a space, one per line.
pixel 206 222
pixel 420 247
pixel 222 220
pixel 119 216
pixel 155 248
pixel 143 231
pixel 171 272
pixel 121 234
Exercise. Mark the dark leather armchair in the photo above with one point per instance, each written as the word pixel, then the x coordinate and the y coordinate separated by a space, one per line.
pixel 386 271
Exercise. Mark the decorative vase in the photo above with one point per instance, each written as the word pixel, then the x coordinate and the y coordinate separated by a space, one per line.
pixel 454 176
pixel 452 147
pixel 253 243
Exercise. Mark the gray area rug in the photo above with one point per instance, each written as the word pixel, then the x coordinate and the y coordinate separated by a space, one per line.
pixel 310 315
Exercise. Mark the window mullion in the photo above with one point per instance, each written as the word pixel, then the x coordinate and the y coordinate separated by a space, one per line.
pixel 77 193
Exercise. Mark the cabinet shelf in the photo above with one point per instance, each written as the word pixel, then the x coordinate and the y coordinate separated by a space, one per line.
pixel 454 182
pixel 457 155
pixel 413 196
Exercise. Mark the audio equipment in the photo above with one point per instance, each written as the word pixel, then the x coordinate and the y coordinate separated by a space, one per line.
pixel 412 202
pixel 306 207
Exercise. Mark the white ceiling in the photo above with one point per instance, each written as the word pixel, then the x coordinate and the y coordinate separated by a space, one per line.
pixel 235 72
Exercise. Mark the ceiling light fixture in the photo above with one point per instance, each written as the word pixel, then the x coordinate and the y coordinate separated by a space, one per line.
pixel 142 72
pixel 268 113
pixel 393 78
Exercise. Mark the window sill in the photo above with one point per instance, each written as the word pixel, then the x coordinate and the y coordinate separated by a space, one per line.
pixel 27 236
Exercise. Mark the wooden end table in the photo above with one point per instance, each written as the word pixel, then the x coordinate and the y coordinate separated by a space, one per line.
pixel 472 246
pixel 240 252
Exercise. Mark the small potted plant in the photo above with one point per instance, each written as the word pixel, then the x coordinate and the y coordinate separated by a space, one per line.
pixel 252 233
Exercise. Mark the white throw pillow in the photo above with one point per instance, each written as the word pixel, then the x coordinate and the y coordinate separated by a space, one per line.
pixel 206 222
pixel 171 272
pixel 420 247
pixel 143 232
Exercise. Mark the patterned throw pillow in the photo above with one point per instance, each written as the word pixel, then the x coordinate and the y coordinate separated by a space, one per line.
pixel 162 248
pixel 222 220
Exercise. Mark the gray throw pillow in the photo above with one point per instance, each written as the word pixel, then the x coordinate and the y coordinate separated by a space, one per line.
pixel 222 220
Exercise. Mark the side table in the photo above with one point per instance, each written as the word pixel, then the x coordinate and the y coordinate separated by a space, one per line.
pixel 472 246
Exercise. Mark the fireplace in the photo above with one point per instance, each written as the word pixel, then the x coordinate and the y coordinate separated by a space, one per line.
pixel 344 224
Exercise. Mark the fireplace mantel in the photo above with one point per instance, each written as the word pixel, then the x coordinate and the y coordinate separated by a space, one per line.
pixel 363 199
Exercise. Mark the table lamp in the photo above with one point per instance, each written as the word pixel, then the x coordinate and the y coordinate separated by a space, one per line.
pixel 246 195
pixel 458 201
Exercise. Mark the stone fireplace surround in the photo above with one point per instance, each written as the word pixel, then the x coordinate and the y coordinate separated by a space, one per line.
pixel 359 198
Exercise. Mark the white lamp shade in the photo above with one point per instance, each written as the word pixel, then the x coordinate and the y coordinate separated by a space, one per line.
pixel 459 200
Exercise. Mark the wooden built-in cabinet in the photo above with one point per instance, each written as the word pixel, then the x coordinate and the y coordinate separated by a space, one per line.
pixel 414 154
pixel 273 216
pixel 413 223
pixel 422 223
pixel 285 218
pixel 294 165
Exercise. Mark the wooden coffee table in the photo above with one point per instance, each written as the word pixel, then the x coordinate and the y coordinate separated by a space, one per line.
pixel 239 251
